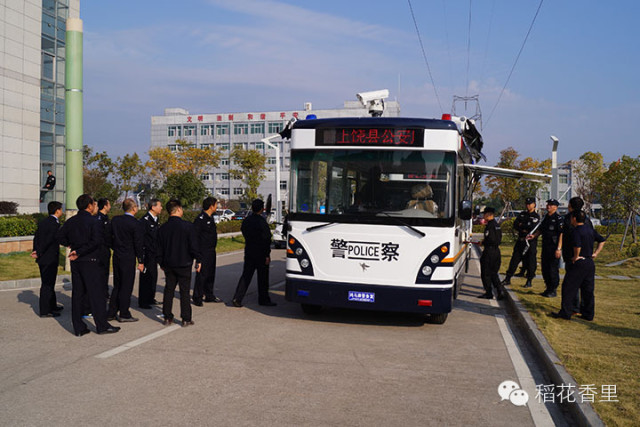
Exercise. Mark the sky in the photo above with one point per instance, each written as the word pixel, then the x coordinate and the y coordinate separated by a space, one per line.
pixel 576 77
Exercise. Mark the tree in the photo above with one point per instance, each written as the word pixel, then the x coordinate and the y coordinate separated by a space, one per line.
pixel 528 188
pixel 185 186
pixel 619 190
pixel 589 170
pixel 504 188
pixel 129 168
pixel 164 162
pixel 96 172
pixel 251 170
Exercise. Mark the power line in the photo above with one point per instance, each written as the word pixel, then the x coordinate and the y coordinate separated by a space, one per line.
pixel 468 50
pixel 424 55
pixel 515 62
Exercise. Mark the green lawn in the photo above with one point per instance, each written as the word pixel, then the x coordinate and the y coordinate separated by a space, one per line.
pixel 605 351
pixel 20 265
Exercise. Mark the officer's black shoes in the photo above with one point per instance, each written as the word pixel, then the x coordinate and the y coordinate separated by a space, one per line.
pixel 548 294
pixel 145 307
pixel 126 319
pixel 186 323
pixel 506 282
pixel 528 284
pixel 52 314
pixel 485 296
pixel 81 333
pixel 58 308
pixel 167 321
pixel 214 299
pixel 558 316
pixel 236 303
pixel 197 303
pixel 110 330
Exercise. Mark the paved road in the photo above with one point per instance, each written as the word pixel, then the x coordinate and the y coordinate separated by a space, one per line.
pixel 264 365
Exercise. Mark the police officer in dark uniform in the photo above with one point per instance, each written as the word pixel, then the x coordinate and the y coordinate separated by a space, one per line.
pixel 46 251
pixel 551 231
pixel 84 235
pixel 581 275
pixel 524 249
pixel 490 258
pixel 205 227
pixel 48 186
pixel 257 253
pixel 149 276
pixel 104 206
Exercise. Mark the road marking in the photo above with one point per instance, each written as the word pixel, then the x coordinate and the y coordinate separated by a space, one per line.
pixel 137 342
pixel 539 411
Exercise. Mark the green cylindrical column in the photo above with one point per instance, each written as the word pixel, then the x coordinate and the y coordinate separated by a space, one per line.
pixel 73 111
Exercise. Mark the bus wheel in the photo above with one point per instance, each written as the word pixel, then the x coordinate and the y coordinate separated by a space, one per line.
pixel 311 308
pixel 437 319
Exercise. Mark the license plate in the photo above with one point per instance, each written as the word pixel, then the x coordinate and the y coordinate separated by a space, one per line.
pixel 362 296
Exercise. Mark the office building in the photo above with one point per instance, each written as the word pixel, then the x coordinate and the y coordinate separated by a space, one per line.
pixel 32 114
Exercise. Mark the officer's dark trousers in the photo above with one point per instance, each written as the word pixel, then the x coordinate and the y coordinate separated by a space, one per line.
pixel 489 267
pixel 549 265
pixel 47 288
pixel 180 276
pixel 124 276
pixel 148 281
pixel 105 260
pixel 86 279
pixel 206 278
pixel 528 259
pixel 252 264
pixel 580 277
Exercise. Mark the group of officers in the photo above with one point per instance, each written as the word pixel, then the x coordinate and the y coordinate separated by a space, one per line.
pixel 142 244
pixel 570 237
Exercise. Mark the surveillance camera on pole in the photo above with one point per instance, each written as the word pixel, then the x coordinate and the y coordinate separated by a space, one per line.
pixel 374 101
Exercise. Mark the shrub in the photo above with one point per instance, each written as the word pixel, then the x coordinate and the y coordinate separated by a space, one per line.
pixel 17 226
pixel 8 208
pixel 633 250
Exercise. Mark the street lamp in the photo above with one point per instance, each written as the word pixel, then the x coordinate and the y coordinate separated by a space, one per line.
pixel 554 168
pixel 277 148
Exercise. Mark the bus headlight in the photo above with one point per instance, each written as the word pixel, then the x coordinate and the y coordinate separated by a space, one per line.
pixel 304 263
pixel 434 260
pixel 426 270
pixel 299 251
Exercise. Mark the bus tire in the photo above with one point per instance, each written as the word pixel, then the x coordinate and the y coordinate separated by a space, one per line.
pixel 311 308
pixel 437 318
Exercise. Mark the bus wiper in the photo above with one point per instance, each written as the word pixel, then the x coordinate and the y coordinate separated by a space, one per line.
pixel 316 227
pixel 401 222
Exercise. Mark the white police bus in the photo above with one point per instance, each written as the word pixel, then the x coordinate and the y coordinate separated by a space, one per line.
pixel 379 211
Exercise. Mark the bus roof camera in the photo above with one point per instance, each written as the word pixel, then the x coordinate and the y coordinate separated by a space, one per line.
pixel 374 101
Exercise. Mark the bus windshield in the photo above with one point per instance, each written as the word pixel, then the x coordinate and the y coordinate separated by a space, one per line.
pixel 369 185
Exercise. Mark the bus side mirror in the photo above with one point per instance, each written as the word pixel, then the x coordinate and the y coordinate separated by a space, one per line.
pixel 465 210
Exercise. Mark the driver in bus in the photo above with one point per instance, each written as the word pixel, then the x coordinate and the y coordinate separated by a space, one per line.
pixel 421 198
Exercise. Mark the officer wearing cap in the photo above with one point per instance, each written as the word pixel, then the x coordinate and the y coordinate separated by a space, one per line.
pixel 524 250
pixel 551 231
pixel 490 258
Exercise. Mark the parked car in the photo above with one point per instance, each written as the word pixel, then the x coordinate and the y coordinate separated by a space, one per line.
pixel 240 215
pixel 479 220
pixel 223 215
pixel 508 215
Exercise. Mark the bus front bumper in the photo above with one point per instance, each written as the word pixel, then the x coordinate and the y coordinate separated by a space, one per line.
pixel 405 299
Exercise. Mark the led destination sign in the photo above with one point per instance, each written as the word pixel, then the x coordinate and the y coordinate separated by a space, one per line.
pixel 394 137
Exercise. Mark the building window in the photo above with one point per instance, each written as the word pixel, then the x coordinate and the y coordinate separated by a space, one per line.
pixel 189 130
pixel 240 129
pixel 205 177
pixel 239 146
pixel 224 146
pixel 275 127
pixel 259 145
pixel 283 185
pixel 206 130
pixel 224 162
pixel 271 161
pixel 223 176
pixel 173 147
pixel 224 191
pixel 175 131
pixel 222 129
pixel 563 179
pixel 238 191
pixel 207 146
pixel 257 128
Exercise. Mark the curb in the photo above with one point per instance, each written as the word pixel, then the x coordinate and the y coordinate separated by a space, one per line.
pixel 32 283
pixel 582 412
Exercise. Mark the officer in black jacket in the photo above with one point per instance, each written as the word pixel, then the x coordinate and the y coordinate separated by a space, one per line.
pixel 207 234
pixel 257 252
pixel 524 250
pixel 551 230
pixel 48 186
pixel 104 206
pixel 149 276
pixel 126 241
pixel 46 251
pixel 177 248
pixel 83 234
pixel 490 258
